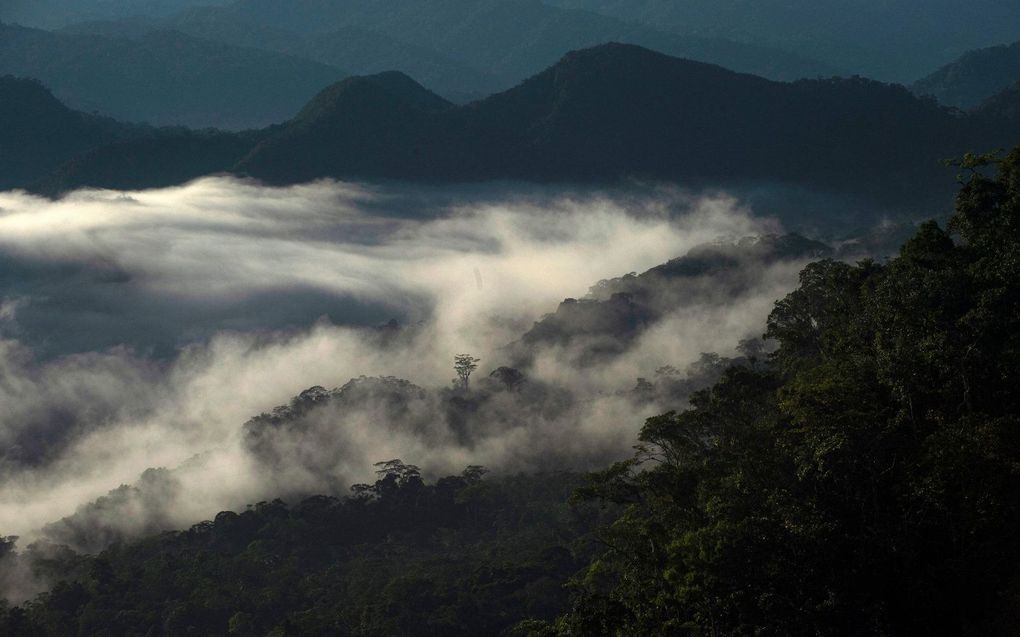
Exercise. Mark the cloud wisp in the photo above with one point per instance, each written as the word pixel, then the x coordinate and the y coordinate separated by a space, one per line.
pixel 141 330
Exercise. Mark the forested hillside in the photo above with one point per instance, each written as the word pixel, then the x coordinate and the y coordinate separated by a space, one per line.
pixel 461 556
pixel 40 133
pixel 619 111
pixel 603 115
pixel 861 479
pixel 616 312
pixel 509 318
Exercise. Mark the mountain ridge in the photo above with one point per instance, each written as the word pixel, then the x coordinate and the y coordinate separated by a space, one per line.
pixel 40 132
pixel 973 77
pixel 657 117
pixel 619 112
pixel 165 77
pixel 459 47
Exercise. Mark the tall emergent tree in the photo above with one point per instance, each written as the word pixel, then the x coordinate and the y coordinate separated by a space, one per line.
pixel 464 365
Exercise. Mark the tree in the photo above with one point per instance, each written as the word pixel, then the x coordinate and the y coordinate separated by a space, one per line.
pixel 473 473
pixel 7 545
pixel 860 480
pixel 464 364
pixel 509 377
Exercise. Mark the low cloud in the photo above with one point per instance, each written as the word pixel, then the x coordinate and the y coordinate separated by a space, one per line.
pixel 142 330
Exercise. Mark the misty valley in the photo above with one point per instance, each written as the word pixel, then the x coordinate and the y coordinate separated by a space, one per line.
pixel 543 318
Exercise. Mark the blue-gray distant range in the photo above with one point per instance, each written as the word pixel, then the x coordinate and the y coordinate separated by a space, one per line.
pixel 609 114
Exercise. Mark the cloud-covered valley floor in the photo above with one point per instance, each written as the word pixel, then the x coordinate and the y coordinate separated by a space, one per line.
pixel 142 330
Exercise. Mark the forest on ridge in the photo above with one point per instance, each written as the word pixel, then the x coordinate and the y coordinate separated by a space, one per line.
pixel 861 478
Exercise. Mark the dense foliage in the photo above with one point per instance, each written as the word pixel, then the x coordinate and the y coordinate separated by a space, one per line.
pixel 616 312
pixel 862 479
pixel 864 482
pixel 463 556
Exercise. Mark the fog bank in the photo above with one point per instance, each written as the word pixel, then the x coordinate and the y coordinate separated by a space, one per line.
pixel 141 330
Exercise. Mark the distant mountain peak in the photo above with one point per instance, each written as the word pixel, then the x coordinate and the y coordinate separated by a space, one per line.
pixel 621 53
pixel 392 85
pixel 973 77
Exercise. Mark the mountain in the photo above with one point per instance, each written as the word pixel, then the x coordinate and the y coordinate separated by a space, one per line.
pixel 974 77
pixel 165 77
pixel 1003 109
pixel 617 111
pixel 1000 113
pixel 510 39
pixel 463 49
pixel 39 133
pixel 353 111
pixel 891 40
pixel 166 157
pixel 51 149
pixel 857 480
pixel 369 126
pixel 352 47
pixel 601 115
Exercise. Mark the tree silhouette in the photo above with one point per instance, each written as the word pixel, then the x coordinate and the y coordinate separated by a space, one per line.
pixel 464 364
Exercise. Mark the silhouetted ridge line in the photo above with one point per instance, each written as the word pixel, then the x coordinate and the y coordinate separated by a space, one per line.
pixel 606 114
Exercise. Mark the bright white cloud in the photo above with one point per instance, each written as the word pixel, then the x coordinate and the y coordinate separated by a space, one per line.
pixel 475 276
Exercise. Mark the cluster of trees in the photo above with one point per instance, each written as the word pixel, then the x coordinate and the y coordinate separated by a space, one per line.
pixel 864 482
pixel 616 312
pixel 860 479
pixel 461 556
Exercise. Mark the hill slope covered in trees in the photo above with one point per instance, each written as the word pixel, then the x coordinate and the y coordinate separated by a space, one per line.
pixel 622 111
pixel 863 482
pixel 601 115
pixel 40 133
pixel 860 479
